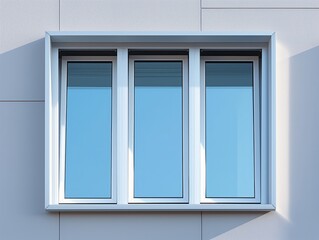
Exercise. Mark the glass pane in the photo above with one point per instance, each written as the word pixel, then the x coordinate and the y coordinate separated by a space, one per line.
pixel 229 129
pixel 88 130
pixel 158 139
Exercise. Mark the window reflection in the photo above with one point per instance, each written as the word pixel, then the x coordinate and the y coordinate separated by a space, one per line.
pixel 88 130
pixel 229 129
pixel 158 139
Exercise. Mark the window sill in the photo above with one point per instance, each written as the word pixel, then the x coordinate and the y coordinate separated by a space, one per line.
pixel 159 207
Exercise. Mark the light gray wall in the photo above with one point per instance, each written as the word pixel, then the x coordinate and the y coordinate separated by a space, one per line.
pixel 22 27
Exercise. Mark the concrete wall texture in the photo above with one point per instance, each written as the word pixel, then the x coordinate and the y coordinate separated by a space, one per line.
pixel 22 27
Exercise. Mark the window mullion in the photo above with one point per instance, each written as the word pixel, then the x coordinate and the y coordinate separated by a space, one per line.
pixel 53 127
pixel 264 129
pixel 194 126
pixel 122 125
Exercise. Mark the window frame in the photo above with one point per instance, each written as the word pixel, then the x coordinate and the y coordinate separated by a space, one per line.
pixel 256 129
pixel 131 86
pixel 194 42
pixel 63 109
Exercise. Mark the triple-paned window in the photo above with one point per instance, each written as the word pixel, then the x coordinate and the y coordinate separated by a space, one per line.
pixel 159 122
pixel 158 164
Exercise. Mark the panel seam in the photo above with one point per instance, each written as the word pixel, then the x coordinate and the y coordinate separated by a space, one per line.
pixel 20 101
pixel 59 226
pixel 59 15
pixel 261 8
pixel 201 15
pixel 201 225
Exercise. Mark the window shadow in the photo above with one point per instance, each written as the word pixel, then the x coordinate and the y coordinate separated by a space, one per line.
pixel 215 224
pixel 22 145
pixel 303 144
pixel 22 72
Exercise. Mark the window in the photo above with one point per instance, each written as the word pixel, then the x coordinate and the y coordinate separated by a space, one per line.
pixel 230 117
pixel 151 122
pixel 86 156
pixel 158 87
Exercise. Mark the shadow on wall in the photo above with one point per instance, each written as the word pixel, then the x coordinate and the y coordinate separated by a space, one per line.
pixel 22 146
pixel 216 224
pixel 297 211
pixel 304 144
pixel 22 72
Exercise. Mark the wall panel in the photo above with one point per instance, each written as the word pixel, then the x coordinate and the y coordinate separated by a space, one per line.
pixel 22 72
pixel 260 4
pixel 22 29
pixel 22 174
pixel 123 226
pixel 23 21
pixel 127 15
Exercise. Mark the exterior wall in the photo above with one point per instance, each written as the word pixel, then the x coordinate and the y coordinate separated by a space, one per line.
pixel 22 27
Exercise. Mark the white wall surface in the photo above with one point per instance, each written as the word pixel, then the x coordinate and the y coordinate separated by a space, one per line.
pixel 126 15
pixel 288 4
pixel 22 26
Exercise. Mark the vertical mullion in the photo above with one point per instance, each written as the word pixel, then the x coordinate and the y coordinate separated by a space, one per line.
pixel 271 113
pixel 185 129
pixel 202 130
pixel 122 125
pixel 131 119
pixel 264 129
pixel 264 155
pixel 256 129
pixel 195 147
pixel 55 130
pixel 114 124
pixel 62 130
pixel 50 192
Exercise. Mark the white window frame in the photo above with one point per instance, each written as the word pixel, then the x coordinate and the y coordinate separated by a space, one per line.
pixel 56 42
pixel 256 129
pixel 63 107
pixel 184 60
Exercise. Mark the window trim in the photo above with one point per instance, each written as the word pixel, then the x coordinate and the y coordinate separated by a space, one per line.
pixel 63 107
pixel 194 42
pixel 256 129
pixel 184 60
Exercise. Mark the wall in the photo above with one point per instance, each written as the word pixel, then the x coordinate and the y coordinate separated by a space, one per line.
pixel 22 27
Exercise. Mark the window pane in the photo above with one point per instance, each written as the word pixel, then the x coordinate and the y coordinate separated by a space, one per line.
pixel 88 130
pixel 158 139
pixel 229 129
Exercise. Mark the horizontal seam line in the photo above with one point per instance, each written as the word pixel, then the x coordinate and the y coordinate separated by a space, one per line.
pixel 18 101
pixel 281 8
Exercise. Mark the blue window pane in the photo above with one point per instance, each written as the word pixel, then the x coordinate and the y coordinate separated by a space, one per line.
pixel 158 138
pixel 229 129
pixel 88 130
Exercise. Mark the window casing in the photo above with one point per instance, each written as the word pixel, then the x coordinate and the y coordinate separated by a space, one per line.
pixel 193 118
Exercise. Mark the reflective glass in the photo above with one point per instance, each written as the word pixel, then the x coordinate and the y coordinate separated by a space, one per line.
pixel 88 130
pixel 158 129
pixel 229 129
